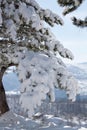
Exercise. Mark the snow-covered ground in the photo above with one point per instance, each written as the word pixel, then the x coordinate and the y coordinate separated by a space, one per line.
pixel 11 121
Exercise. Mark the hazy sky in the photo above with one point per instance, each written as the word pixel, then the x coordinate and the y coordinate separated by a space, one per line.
pixel 72 37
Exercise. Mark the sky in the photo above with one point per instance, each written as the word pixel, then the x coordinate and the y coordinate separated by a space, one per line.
pixel 72 37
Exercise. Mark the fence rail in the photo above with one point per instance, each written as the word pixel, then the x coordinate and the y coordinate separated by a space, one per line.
pixel 56 108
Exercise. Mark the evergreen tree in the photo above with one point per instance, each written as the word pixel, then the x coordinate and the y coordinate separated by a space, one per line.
pixel 33 49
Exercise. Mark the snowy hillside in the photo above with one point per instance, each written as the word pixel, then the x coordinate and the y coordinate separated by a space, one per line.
pixel 80 72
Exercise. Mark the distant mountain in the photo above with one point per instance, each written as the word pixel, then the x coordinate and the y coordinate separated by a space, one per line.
pixel 79 71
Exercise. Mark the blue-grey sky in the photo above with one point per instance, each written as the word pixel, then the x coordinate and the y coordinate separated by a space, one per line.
pixel 72 37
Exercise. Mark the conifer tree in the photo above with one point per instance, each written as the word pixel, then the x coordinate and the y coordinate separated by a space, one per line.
pixel 26 43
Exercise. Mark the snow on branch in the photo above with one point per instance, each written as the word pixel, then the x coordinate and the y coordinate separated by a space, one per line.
pixel 68 82
pixel 50 17
pixel 39 75
pixel 70 5
pixel 79 22
pixel 28 13
pixel 55 46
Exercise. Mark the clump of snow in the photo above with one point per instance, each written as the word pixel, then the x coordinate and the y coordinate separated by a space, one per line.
pixel 82 128
pixel 39 77
pixel 11 28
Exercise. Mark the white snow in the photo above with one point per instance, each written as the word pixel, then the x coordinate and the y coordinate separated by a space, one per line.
pixel 11 28
pixel 82 128
pixel 11 121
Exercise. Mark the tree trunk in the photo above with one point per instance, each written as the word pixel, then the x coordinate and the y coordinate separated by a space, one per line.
pixel 3 103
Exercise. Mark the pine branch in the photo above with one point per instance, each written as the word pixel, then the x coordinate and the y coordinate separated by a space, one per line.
pixel 79 22
pixel 70 5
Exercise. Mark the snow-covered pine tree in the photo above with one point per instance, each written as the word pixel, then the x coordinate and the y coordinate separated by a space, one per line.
pixel 33 49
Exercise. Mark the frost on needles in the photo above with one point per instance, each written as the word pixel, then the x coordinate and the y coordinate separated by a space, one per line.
pixel 26 43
